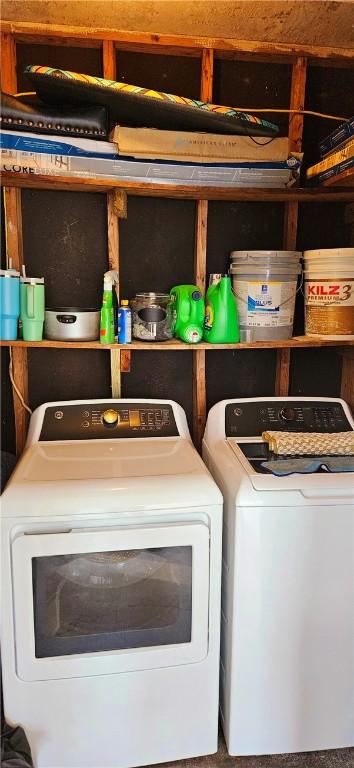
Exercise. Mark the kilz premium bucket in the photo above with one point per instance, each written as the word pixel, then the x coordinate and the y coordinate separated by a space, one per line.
pixel 265 284
pixel 329 292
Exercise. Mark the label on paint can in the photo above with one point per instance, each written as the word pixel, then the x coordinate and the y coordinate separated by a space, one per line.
pixel 329 306
pixel 334 292
pixel 265 304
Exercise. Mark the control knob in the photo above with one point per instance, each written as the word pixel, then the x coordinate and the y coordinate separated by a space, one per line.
pixel 110 417
pixel 287 414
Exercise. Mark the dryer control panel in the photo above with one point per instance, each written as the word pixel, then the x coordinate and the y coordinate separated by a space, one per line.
pixel 250 419
pixel 95 421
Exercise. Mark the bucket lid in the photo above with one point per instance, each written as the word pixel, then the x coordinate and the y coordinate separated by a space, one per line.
pixel 32 280
pixel 333 253
pixel 9 273
pixel 265 254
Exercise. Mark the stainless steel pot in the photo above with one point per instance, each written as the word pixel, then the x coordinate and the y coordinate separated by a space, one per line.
pixel 72 324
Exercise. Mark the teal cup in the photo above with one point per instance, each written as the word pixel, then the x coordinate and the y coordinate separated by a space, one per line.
pixel 32 307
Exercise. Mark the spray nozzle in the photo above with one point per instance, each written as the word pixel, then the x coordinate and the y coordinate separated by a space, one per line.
pixel 111 278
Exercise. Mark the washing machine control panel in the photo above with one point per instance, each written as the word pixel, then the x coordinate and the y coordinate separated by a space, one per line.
pixel 95 421
pixel 252 418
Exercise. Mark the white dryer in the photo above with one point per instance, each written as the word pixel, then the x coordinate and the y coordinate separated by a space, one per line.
pixel 287 631
pixel 111 565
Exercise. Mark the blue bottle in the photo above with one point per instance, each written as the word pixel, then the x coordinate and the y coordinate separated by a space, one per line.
pixel 124 323
pixel 9 303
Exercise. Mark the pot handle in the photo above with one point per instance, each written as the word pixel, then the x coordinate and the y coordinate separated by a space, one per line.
pixel 66 318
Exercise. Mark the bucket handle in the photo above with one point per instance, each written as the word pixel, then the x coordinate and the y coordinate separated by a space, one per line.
pixel 293 295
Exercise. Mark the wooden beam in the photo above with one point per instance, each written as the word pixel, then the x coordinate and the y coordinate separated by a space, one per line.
pixel 282 373
pixel 125 360
pixel 347 380
pixel 115 372
pixel 109 60
pixel 13 228
pixel 296 122
pixel 109 72
pixel 200 248
pixel 289 50
pixel 119 202
pixel 8 77
pixel 179 191
pixel 175 345
pixel 18 361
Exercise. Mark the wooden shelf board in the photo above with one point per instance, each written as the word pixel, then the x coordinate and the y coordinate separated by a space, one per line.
pixel 297 342
pixel 24 30
pixel 295 194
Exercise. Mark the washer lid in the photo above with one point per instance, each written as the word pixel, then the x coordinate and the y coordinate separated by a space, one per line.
pixel 324 486
pixel 50 462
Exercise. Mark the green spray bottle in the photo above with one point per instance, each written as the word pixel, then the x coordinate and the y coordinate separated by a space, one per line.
pixel 221 325
pixel 107 333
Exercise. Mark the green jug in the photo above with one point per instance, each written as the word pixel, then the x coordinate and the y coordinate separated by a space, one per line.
pixel 221 325
pixel 188 311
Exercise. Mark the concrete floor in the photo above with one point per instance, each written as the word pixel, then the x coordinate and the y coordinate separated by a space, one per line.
pixel 334 758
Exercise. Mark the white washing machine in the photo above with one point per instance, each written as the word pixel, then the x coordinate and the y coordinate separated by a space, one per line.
pixel 111 566
pixel 287 631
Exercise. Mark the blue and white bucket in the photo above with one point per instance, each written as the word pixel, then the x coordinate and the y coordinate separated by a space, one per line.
pixel 265 286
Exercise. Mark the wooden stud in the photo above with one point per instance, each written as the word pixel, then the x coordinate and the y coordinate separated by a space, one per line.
pixel 119 203
pixel 347 380
pixel 109 60
pixel 8 77
pixel 109 72
pixel 125 360
pixel 199 382
pixel 13 226
pixel 112 234
pixel 115 372
pixel 282 372
pixel 297 100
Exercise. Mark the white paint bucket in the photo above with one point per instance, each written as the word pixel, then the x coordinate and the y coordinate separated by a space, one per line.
pixel 329 292
pixel 265 285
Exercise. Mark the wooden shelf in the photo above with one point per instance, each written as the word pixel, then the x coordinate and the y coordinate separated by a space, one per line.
pixel 297 342
pixel 88 184
pixel 110 42
pixel 63 34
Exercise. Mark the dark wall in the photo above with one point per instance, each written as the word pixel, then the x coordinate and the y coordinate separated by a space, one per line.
pixel 65 240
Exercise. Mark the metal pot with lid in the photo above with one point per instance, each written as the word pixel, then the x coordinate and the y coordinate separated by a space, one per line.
pixel 72 324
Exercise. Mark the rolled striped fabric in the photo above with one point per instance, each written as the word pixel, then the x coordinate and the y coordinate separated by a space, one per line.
pixel 310 443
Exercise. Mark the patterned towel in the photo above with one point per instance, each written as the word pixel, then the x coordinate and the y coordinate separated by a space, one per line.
pixel 310 443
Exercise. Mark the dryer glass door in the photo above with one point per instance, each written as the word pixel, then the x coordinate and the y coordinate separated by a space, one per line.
pixel 111 600
pixel 103 601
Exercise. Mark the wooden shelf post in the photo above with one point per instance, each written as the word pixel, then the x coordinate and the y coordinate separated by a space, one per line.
pixel 114 206
pixel 199 382
pixel 297 100
pixel 13 227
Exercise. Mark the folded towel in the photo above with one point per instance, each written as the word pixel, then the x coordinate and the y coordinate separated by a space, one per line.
pixel 282 467
pixel 310 443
